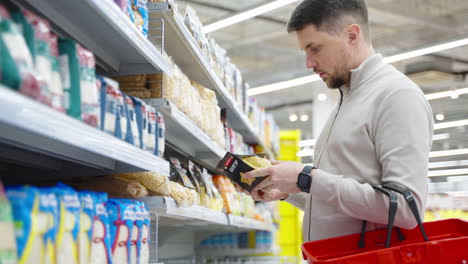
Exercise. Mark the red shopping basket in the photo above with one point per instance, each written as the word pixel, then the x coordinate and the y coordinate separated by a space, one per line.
pixel 440 242
pixel 448 244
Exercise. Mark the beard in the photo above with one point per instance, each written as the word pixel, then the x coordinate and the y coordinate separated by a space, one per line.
pixel 337 80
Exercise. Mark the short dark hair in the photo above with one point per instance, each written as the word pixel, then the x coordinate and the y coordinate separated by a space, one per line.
pixel 327 15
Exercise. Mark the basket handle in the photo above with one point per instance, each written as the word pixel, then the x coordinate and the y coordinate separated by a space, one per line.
pixel 391 218
pixel 409 197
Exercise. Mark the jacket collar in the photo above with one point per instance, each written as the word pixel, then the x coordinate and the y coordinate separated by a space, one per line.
pixel 364 72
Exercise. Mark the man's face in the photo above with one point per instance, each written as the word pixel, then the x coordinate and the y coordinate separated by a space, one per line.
pixel 326 54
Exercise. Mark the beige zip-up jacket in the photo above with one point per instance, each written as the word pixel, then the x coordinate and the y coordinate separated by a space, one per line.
pixel 381 131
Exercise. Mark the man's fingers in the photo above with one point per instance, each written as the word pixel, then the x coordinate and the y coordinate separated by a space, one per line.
pixel 263 184
pixel 258 173
pixel 256 196
pixel 238 187
pixel 276 162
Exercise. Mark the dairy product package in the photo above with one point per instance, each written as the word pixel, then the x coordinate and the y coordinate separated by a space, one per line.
pixel 132 213
pixel 69 226
pixel 56 86
pixel 101 238
pixel 121 116
pixel 152 130
pixel 87 213
pixel 161 140
pixel 8 242
pixel 16 66
pixel 121 217
pixel 132 136
pixel 142 121
pixel 108 101
pixel 29 226
pixel 49 213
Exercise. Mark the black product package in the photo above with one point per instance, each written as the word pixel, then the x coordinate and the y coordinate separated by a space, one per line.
pixel 178 174
pixel 234 167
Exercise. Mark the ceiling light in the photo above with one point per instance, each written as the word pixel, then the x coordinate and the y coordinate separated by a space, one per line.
pixel 305 152
pixel 454 95
pixel 293 118
pixel 307 143
pixel 246 15
pixel 403 56
pixel 440 173
pixel 322 97
pixel 440 117
pixel 446 94
pixel 451 124
pixel 283 85
pixel 440 137
pixel 447 153
pixel 304 118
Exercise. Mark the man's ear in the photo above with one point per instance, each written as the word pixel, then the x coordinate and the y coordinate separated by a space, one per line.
pixel 353 34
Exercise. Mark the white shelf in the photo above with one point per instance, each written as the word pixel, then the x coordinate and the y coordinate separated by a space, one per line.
pixel 198 217
pixel 33 127
pixel 247 223
pixel 238 252
pixel 104 29
pixel 183 134
pixel 181 46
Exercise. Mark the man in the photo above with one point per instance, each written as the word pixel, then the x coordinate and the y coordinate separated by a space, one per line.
pixel 380 131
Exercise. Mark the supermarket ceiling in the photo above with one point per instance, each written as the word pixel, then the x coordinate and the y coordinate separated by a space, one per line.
pixel 266 53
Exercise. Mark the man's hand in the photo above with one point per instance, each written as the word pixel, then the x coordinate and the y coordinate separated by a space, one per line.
pixel 282 176
pixel 266 195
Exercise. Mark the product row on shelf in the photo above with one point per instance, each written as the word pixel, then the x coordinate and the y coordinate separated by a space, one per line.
pixel 444 206
pixel 60 225
pixel 205 62
pixel 254 240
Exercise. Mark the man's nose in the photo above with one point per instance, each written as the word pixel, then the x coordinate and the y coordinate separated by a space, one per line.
pixel 310 63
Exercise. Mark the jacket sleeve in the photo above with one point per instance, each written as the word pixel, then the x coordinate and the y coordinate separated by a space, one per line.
pixel 298 200
pixel 402 133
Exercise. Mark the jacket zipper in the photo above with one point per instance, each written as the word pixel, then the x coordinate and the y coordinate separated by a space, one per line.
pixel 324 149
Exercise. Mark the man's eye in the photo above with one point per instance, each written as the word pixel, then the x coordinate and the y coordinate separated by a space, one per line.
pixel 315 50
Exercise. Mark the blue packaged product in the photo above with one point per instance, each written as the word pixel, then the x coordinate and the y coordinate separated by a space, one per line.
pixel 132 136
pixel 101 237
pixel 87 213
pixel 121 116
pixel 108 102
pixel 161 134
pixel 69 226
pixel 29 239
pixel 142 121
pixel 152 130
pixel 140 12
pixel 49 210
pixel 121 218
pixel 143 224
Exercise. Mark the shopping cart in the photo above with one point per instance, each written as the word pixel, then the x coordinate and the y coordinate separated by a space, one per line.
pixel 440 242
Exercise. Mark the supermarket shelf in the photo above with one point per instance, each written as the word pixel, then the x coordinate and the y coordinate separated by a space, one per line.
pixel 172 215
pixel 236 252
pixel 30 126
pixel 247 223
pixel 448 187
pixel 104 29
pixel 169 212
pixel 188 137
pixel 181 46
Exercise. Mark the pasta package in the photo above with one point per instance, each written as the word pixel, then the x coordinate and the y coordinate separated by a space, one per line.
pixel 69 226
pixel 152 130
pixel 142 121
pixel 115 187
pixel 29 225
pixel 49 212
pixel 85 236
pixel 234 167
pixel 100 251
pixel 121 218
pixel 121 120
pixel 154 182
pixel 7 243
pixel 133 135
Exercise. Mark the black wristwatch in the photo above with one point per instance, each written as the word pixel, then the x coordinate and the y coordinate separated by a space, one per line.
pixel 304 180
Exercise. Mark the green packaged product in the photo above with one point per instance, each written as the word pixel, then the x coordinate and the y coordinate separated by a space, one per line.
pixel 8 242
